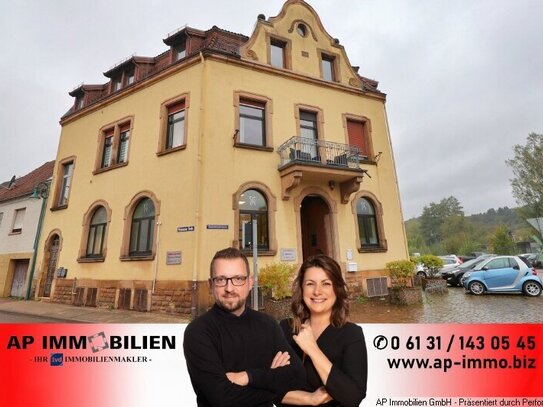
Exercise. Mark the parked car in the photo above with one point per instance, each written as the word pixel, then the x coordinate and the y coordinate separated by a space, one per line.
pixel 472 255
pixel 535 259
pixel 510 274
pixel 449 262
pixel 454 275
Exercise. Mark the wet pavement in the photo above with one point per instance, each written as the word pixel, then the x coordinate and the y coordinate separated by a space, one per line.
pixel 456 306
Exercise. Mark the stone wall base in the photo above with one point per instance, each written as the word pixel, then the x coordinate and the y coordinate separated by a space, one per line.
pixel 172 297
pixel 405 295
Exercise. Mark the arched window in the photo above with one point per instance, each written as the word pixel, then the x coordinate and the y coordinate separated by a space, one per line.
pixel 367 223
pixel 142 228
pixel 97 233
pixel 253 206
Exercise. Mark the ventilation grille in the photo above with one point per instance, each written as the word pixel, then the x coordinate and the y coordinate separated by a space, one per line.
pixel 377 286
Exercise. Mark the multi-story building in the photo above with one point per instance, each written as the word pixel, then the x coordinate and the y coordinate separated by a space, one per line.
pixel 19 219
pixel 176 155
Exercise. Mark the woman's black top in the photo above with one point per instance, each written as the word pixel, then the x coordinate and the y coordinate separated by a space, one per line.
pixel 345 347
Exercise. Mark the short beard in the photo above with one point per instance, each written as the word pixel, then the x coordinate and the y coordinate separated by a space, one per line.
pixel 231 306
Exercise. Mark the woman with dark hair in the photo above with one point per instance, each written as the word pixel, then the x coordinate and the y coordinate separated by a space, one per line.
pixel 332 350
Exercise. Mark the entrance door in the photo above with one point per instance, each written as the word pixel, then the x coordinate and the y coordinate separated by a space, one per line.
pixel 51 265
pixel 316 230
pixel 19 277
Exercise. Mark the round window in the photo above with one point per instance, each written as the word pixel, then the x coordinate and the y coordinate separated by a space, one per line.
pixel 302 29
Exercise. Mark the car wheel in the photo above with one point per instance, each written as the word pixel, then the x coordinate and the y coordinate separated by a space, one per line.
pixel 421 274
pixel 477 288
pixel 531 289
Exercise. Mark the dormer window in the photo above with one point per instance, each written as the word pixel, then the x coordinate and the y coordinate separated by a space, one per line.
pixel 130 77
pixel 180 51
pixel 117 84
pixel 79 102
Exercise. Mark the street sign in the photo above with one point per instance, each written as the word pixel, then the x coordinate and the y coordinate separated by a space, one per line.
pixel 185 229
pixel 218 227
pixel 537 223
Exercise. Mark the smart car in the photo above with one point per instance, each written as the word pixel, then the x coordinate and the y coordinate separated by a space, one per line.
pixel 506 274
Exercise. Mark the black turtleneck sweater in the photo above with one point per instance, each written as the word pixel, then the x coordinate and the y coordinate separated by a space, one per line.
pixel 219 342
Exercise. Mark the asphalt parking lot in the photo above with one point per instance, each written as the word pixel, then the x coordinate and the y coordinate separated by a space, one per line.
pixel 456 306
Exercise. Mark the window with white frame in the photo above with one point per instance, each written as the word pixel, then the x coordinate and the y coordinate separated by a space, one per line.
pixel 67 172
pixel 114 145
pixel 18 219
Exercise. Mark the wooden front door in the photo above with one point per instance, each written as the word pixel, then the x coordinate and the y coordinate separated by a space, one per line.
pixel 51 265
pixel 315 222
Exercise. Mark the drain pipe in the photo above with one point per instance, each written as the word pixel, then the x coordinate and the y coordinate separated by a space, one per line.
pixel 156 256
pixel 197 193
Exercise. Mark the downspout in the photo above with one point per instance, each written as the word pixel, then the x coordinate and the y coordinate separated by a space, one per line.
pixel 36 242
pixel 158 223
pixel 394 172
pixel 197 194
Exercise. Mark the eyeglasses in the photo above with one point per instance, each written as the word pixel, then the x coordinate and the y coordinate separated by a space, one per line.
pixel 223 281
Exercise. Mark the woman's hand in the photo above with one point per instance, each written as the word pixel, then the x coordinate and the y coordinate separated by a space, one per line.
pixel 320 396
pixel 306 339
pixel 239 378
pixel 281 359
pixel 304 398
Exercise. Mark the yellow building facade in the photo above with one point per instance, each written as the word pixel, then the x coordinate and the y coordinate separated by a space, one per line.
pixel 175 156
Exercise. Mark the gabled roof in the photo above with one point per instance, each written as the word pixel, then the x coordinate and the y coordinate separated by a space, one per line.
pixel 25 185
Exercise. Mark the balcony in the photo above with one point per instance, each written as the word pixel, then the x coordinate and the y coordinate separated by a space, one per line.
pixel 318 160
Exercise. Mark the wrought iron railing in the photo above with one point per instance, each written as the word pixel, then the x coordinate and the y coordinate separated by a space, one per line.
pixel 320 152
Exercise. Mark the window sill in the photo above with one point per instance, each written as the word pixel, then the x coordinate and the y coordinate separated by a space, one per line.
pixel 254 147
pixel 138 258
pixel 111 167
pixel 369 249
pixel 91 259
pixel 17 232
pixel 58 208
pixel 264 253
pixel 171 150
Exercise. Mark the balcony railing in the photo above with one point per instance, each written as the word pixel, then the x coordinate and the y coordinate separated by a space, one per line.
pixel 319 152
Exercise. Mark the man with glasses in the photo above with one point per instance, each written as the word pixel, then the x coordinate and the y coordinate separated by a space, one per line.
pixel 237 356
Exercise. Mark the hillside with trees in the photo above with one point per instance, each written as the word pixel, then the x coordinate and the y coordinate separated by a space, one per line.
pixel 444 228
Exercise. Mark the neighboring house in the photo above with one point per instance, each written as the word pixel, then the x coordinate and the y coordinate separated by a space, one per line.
pixel 175 156
pixel 19 216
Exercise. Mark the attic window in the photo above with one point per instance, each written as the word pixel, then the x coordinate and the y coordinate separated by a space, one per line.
pixel 301 29
pixel 180 51
pixel 130 78
pixel 79 101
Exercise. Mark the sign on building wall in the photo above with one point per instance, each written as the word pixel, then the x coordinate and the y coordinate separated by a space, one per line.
pixel 185 229
pixel 288 254
pixel 218 227
pixel 173 258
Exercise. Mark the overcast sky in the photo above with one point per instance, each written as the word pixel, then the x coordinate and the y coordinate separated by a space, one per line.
pixel 464 79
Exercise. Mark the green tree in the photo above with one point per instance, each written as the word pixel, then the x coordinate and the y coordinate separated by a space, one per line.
pixel 434 216
pixel 527 181
pixel 502 241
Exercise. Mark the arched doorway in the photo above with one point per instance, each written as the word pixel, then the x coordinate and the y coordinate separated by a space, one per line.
pixel 51 260
pixel 316 227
